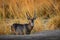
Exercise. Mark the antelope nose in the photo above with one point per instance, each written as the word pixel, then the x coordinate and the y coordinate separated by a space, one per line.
pixel 32 24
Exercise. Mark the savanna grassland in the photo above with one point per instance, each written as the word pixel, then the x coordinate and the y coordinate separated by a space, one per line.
pixel 14 11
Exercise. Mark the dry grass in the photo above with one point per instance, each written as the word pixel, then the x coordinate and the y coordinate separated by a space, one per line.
pixel 14 11
pixel 54 23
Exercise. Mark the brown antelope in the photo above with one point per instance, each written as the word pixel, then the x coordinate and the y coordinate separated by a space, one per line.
pixel 20 27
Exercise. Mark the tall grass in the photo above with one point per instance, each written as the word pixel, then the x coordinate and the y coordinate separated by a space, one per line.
pixel 14 11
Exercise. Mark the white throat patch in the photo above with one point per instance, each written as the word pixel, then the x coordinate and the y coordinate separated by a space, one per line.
pixel 32 24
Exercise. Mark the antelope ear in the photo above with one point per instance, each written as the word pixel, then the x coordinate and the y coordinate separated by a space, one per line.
pixel 28 17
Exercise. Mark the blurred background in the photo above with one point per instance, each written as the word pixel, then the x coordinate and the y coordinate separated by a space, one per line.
pixel 14 11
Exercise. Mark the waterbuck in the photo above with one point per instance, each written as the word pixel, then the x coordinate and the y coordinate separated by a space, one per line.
pixel 21 29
